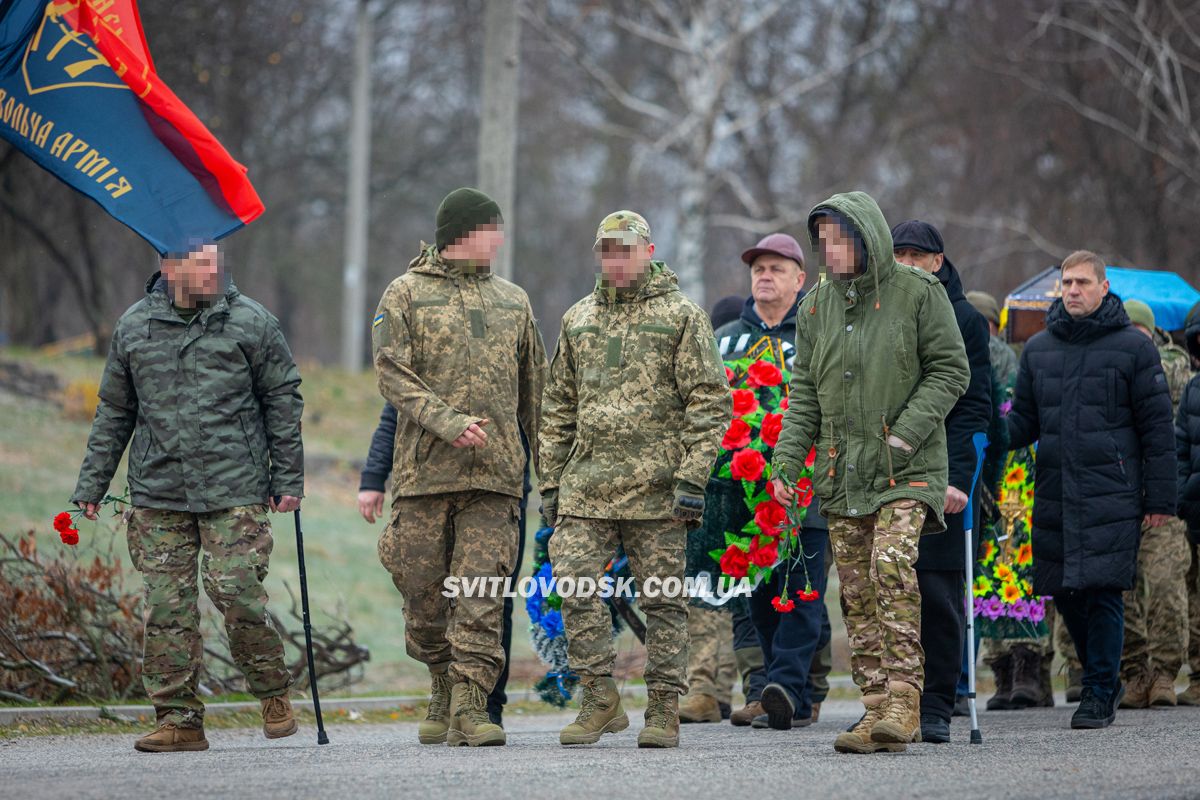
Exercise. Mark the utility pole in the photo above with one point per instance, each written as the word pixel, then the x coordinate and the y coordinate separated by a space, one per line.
pixel 498 123
pixel 354 274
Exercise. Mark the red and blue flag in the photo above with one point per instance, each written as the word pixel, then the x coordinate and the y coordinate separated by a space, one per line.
pixel 80 96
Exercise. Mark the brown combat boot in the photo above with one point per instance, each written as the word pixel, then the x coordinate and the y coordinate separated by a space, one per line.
pixel 662 720
pixel 470 724
pixel 1026 677
pixel 1002 671
pixel 744 715
pixel 699 708
pixel 278 719
pixel 436 725
pixel 170 738
pixel 600 712
pixel 816 715
pixel 857 738
pixel 1137 690
pixel 1191 695
pixel 900 720
pixel 1162 691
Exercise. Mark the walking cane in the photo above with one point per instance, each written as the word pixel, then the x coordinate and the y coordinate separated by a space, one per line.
pixel 980 441
pixel 312 672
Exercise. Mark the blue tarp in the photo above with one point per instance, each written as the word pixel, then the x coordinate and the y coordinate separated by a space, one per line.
pixel 1169 296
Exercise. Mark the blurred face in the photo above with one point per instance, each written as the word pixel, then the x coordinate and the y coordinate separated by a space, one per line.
pixel 837 246
pixel 1082 292
pixel 775 280
pixel 624 265
pixel 476 251
pixel 930 262
pixel 196 276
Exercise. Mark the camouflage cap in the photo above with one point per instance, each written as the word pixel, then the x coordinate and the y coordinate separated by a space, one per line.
pixel 625 226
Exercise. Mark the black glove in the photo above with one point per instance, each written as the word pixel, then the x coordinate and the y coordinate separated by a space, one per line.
pixel 550 507
pixel 689 502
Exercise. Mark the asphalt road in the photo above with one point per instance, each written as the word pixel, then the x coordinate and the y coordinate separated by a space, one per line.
pixel 1152 754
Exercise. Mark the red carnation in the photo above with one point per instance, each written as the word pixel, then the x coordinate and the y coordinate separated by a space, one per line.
pixel 808 594
pixel 771 490
pixel 729 376
pixel 783 404
pixel 735 562
pixel 765 555
pixel 747 465
pixel 772 425
pixel 782 605
pixel 744 402
pixel 804 492
pixel 62 521
pixel 812 458
pixel 737 436
pixel 762 373
pixel 69 536
pixel 770 517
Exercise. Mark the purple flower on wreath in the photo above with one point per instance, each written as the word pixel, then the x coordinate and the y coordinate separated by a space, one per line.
pixel 1019 610
pixel 993 608
pixel 1005 407
pixel 1037 610
pixel 978 607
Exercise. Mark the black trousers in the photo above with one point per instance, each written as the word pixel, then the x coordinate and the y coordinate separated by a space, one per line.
pixel 1096 621
pixel 790 639
pixel 498 696
pixel 943 634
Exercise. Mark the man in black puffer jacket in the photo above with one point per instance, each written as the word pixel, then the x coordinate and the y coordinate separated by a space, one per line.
pixel 1091 391
pixel 941 571
pixel 1187 442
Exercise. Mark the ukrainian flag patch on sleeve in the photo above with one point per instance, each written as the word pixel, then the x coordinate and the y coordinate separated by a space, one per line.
pixel 378 321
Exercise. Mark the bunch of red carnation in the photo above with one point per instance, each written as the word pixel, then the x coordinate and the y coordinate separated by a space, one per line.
pixel 64 523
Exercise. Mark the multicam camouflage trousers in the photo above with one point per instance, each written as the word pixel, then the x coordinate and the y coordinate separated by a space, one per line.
pixel 233 546
pixel 581 548
pixel 711 667
pixel 467 535
pixel 1156 609
pixel 881 602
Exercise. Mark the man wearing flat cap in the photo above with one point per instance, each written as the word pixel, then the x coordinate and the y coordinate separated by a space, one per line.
pixel 633 414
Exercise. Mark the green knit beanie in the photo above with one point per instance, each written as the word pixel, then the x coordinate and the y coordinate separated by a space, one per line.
pixel 1140 314
pixel 461 212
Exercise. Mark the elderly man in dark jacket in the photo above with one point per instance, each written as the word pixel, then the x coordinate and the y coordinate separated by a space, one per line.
pixel 940 564
pixel 1091 391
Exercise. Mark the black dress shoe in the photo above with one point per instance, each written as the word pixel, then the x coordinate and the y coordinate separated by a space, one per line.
pixel 934 730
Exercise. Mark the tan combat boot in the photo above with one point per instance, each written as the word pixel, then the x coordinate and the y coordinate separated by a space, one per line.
pixel 1137 690
pixel 469 721
pixel 600 712
pixel 745 715
pixel 278 719
pixel 170 738
pixel 900 720
pixel 662 720
pixel 1191 695
pixel 816 714
pixel 1162 691
pixel 699 708
pixel 435 726
pixel 857 738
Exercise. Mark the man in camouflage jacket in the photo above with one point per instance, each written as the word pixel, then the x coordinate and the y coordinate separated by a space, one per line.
pixel 201 378
pixel 634 411
pixel 459 356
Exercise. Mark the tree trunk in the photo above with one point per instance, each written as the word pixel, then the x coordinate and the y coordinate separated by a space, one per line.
pixel 498 124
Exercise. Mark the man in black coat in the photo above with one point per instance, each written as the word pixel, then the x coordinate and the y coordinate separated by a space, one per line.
pixel 1187 442
pixel 1091 391
pixel 941 568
